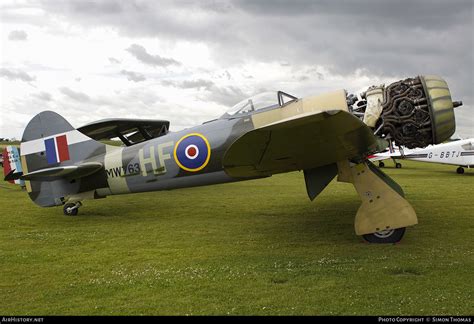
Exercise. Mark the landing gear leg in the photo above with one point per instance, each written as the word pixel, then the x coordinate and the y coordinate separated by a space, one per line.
pixel 460 170
pixel 71 209
pixel 384 212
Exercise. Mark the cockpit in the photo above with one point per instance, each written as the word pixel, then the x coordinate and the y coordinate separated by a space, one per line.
pixel 260 102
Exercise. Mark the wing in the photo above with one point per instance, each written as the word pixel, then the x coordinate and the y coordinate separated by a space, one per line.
pixel 130 131
pixel 299 143
pixel 68 172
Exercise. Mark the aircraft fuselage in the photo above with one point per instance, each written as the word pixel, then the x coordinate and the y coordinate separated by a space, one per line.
pixel 190 157
pixel 455 153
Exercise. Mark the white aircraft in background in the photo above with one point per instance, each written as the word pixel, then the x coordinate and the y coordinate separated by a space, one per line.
pixel 460 153
pixel 392 152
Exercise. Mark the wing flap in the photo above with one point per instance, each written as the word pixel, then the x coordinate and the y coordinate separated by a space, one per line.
pixel 299 143
pixel 68 172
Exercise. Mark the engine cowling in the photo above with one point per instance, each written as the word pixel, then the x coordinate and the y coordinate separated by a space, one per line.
pixel 414 112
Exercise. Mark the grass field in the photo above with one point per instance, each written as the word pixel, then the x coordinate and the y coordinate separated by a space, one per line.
pixel 3 144
pixel 257 247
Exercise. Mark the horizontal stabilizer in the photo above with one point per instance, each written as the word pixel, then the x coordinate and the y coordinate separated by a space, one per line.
pixel 13 175
pixel 65 172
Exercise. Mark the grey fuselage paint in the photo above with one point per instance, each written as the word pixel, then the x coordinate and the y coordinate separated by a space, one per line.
pixel 152 165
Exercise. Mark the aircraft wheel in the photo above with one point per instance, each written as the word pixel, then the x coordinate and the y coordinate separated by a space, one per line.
pixel 70 209
pixel 386 236
pixel 381 164
pixel 460 170
pixel 398 165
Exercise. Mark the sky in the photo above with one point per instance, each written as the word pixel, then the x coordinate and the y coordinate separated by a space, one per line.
pixel 190 61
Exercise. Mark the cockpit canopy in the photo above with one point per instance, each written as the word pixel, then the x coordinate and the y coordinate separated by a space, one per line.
pixel 262 101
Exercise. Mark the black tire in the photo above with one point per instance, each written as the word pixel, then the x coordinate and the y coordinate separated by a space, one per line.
pixel 381 164
pixel 389 236
pixel 68 211
pixel 398 165
pixel 460 170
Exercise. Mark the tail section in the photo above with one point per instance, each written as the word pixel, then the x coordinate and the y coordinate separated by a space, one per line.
pixel 51 149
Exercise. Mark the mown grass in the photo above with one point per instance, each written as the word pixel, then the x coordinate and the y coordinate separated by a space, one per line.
pixel 256 247
pixel 14 143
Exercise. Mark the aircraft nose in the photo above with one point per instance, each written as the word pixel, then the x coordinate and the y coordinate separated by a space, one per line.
pixel 418 111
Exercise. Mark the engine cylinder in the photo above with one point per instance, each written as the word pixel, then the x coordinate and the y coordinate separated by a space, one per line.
pixel 417 112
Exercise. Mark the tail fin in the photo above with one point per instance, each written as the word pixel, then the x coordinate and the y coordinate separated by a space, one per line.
pixel 12 169
pixel 50 142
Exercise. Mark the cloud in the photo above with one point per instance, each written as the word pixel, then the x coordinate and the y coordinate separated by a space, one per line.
pixel 104 6
pixel 387 40
pixel 222 95
pixel 227 96
pixel 154 60
pixel 45 96
pixel 133 76
pixel 114 60
pixel 189 84
pixel 17 35
pixel 16 75
pixel 77 96
pixel 225 75
pixel 464 122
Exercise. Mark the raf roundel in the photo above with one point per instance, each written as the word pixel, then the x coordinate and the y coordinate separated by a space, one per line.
pixel 192 152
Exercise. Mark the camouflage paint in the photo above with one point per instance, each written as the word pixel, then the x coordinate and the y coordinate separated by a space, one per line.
pixel 147 166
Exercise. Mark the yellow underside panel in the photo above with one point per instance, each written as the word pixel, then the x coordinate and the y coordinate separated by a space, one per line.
pixel 300 142
pixel 382 207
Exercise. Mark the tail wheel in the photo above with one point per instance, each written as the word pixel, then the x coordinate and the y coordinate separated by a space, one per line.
pixel 460 170
pixel 385 236
pixel 71 209
pixel 398 165
pixel 381 164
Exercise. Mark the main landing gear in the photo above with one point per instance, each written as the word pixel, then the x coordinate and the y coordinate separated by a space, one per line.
pixel 460 170
pixel 398 165
pixel 384 213
pixel 71 209
pixel 385 236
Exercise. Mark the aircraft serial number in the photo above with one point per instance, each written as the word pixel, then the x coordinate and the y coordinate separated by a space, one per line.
pixel 129 170
pixel 446 154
